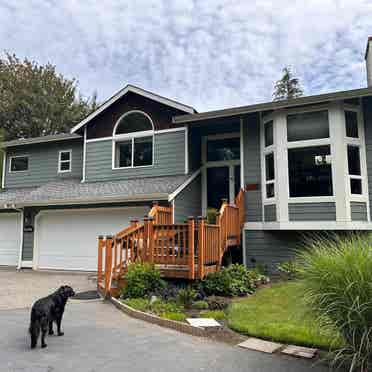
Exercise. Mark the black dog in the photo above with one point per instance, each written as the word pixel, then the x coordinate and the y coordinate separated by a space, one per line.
pixel 46 311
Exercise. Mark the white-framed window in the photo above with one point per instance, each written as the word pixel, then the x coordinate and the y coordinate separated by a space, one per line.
pixel 309 155
pixel 268 144
pixel 355 171
pixel 133 141
pixel 64 161
pixel 18 163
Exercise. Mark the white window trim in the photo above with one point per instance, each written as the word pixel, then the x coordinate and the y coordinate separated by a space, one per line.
pixel 19 156
pixel 117 138
pixel 4 169
pixel 60 161
pixel 266 151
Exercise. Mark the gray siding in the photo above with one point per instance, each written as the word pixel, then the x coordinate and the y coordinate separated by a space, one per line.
pixel 188 202
pixel 268 248
pixel 28 233
pixel 312 212
pixel 169 159
pixel 270 213
pixel 252 169
pixel 43 163
pixel 358 211
pixel 367 111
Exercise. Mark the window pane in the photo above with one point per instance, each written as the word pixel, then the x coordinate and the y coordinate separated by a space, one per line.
pixel 307 126
pixel 269 134
pixel 19 164
pixel 65 155
pixel 123 154
pixel 310 171
pixel 356 186
pixel 351 121
pixel 270 190
pixel 142 151
pixel 270 171
pixel 65 166
pixel 223 149
pixel 353 160
pixel 134 122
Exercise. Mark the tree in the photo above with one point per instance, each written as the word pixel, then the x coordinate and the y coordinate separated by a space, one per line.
pixel 287 87
pixel 35 100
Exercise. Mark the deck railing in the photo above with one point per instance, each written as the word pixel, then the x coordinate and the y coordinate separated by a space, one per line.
pixel 196 246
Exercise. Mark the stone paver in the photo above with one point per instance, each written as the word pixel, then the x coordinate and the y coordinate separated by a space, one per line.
pixel 20 289
pixel 203 322
pixel 260 345
pixel 100 338
pixel 300 351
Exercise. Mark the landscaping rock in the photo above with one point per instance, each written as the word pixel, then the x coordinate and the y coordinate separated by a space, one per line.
pixel 300 351
pixel 260 345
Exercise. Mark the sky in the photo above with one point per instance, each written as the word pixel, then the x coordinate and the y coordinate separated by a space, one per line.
pixel 210 54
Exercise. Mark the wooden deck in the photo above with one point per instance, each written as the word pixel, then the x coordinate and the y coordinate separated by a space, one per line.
pixel 188 250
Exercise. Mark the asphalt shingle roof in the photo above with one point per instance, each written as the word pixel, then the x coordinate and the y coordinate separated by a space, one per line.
pixel 74 191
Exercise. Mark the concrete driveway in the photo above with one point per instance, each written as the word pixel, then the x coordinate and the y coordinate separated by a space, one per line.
pixel 98 337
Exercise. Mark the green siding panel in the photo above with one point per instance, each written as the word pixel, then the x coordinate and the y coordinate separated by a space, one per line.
pixel 169 159
pixel 188 202
pixel 270 213
pixel 358 211
pixel 312 211
pixel 43 164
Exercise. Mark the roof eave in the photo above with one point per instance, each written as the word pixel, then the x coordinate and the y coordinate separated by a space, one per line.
pixel 275 105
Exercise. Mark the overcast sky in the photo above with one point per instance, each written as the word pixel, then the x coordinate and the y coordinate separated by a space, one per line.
pixel 210 54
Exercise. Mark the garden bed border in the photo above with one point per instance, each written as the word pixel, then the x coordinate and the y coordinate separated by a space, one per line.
pixel 167 323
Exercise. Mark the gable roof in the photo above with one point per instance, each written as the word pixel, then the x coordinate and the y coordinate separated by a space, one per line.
pixel 139 91
pixel 273 105
pixel 42 139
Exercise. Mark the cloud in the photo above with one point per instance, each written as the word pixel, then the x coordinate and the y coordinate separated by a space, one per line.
pixel 210 54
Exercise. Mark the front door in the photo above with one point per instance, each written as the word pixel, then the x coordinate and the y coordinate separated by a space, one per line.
pixel 221 169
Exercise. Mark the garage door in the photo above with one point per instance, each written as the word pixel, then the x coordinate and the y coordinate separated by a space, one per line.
pixel 10 236
pixel 67 240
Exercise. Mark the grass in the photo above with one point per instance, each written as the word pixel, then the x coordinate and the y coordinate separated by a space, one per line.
pixel 278 313
pixel 216 314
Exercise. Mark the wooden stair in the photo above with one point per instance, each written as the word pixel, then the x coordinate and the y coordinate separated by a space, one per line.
pixel 184 250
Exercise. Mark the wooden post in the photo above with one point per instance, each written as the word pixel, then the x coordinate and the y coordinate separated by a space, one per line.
pixel 201 247
pixel 151 242
pixel 101 243
pixel 108 265
pixel 133 223
pixel 191 240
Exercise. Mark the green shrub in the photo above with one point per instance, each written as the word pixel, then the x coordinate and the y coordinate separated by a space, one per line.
pixel 337 275
pixel 200 305
pixel 217 303
pixel 142 279
pixel 234 280
pixel 179 317
pixel 289 270
pixel 211 215
pixel 141 304
pixel 186 296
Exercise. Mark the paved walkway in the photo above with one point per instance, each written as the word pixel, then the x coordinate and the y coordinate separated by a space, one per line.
pixel 98 337
pixel 20 289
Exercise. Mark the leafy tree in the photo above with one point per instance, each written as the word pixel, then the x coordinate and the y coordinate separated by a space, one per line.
pixel 287 87
pixel 35 100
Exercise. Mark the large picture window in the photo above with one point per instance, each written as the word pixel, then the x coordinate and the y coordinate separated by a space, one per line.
pixel 310 172
pixel 133 141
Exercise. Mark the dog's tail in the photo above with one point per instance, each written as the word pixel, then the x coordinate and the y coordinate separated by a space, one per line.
pixel 34 328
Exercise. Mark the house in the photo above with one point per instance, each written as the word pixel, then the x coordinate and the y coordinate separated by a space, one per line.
pixel 305 165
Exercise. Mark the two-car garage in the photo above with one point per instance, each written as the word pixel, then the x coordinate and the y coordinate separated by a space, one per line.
pixel 64 239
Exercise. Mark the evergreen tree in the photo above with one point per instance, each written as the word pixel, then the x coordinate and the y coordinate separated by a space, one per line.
pixel 287 87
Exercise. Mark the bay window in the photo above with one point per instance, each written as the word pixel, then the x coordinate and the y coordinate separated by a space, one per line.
pixel 133 141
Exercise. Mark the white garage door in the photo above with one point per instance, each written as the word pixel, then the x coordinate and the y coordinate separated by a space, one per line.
pixel 67 240
pixel 10 238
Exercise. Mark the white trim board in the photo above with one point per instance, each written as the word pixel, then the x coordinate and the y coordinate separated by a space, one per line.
pixel 184 185
pixel 308 225
pixel 4 169
pixel 139 91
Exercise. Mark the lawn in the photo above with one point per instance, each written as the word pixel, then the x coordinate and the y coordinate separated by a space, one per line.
pixel 278 313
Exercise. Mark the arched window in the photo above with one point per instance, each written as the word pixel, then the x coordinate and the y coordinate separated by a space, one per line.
pixel 133 141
